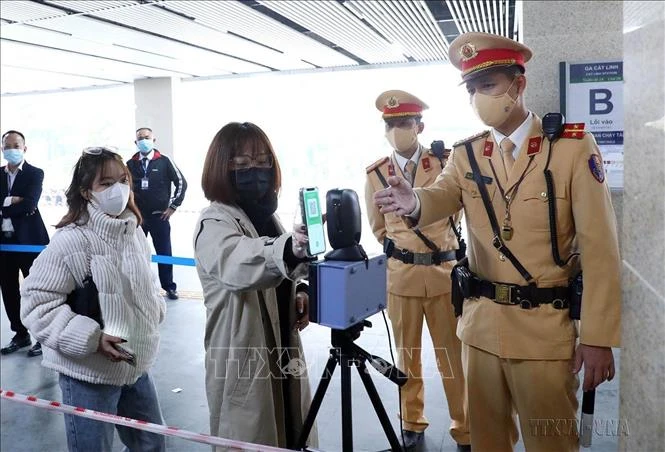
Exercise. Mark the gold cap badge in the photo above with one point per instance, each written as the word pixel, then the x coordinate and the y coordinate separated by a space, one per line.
pixel 468 51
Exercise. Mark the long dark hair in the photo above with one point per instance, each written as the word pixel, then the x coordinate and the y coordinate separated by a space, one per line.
pixel 85 171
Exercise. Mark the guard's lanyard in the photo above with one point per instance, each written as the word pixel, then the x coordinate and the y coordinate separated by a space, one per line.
pixel 144 164
pixel 509 197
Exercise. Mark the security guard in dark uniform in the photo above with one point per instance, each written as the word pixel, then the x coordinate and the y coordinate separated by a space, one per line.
pixel 153 174
pixel 519 342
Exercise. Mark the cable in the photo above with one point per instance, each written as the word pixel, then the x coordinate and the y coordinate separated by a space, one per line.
pixel 551 203
pixel 399 388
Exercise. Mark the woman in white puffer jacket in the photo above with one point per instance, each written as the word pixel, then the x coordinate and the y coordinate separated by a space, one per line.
pixel 99 235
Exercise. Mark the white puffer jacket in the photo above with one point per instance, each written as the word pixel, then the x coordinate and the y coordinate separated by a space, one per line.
pixel 131 305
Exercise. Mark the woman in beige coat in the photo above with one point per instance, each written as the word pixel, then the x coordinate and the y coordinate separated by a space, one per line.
pixel 256 381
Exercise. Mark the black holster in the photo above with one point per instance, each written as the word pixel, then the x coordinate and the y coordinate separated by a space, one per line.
pixel 460 253
pixel 575 297
pixel 388 246
pixel 461 278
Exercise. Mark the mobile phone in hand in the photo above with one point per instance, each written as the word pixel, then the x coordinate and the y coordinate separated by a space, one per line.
pixel 127 353
pixel 313 220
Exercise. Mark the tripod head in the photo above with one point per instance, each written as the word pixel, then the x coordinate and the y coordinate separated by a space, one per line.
pixel 343 340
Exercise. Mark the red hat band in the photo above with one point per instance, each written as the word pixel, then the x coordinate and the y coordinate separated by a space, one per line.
pixel 491 57
pixel 404 109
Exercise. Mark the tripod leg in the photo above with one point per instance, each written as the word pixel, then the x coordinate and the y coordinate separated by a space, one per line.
pixel 317 400
pixel 378 406
pixel 347 419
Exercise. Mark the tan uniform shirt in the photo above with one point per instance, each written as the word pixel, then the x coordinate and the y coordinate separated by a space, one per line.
pixel 407 279
pixel 585 222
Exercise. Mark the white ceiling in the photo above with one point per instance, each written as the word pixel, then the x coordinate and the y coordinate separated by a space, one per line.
pixel 60 44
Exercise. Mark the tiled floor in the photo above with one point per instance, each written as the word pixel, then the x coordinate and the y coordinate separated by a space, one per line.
pixel 180 365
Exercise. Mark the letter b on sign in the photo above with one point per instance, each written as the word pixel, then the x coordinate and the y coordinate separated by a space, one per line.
pixel 599 101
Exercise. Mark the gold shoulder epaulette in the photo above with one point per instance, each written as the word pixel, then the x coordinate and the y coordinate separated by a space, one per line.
pixel 376 164
pixel 472 138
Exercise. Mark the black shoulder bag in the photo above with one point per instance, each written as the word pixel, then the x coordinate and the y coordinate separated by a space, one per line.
pixel 84 300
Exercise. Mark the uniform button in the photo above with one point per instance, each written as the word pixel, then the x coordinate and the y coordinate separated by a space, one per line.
pixel 543 195
pixel 502 258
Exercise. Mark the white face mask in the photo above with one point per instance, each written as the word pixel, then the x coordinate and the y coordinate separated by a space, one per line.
pixel 402 139
pixel 113 200
pixel 493 110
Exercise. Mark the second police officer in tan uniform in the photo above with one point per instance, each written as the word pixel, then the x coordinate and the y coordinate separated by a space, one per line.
pixel 418 271
pixel 519 344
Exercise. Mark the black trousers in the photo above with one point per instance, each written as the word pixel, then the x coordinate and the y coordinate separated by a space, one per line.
pixel 10 265
pixel 160 231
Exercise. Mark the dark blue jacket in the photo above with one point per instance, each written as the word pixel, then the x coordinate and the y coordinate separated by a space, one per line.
pixel 161 173
pixel 27 221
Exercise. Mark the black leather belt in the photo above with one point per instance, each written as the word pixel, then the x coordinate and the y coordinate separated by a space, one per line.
pixel 434 258
pixel 525 296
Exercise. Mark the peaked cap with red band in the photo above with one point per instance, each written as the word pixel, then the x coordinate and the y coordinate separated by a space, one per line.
pixel 474 53
pixel 397 103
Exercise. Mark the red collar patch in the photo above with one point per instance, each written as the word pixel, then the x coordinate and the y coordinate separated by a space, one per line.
pixel 489 147
pixel 426 164
pixel 534 146
pixel 391 170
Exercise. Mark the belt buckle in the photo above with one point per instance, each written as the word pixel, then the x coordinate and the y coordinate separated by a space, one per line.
pixel 503 293
pixel 422 258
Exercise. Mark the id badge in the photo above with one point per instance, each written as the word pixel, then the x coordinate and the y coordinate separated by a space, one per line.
pixel 144 183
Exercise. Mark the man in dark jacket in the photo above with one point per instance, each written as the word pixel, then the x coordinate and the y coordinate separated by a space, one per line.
pixel 153 174
pixel 22 224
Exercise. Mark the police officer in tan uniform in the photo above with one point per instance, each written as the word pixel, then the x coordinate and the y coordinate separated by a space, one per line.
pixel 519 344
pixel 419 267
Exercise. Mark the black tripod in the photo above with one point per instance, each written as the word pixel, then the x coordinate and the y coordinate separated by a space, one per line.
pixel 346 353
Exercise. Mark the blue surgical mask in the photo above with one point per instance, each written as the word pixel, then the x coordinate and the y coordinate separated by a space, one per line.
pixel 13 156
pixel 145 146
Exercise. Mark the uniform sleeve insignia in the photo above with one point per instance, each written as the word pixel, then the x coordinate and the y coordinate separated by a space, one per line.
pixel 573 130
pixel 377 164
pixel 472 138
pixel 596 168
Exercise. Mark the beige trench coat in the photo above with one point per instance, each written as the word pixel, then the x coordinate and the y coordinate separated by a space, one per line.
pixel 234 264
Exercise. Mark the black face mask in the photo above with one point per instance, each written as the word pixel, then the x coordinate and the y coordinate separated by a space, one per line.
pixel 255 194
pixel 253 184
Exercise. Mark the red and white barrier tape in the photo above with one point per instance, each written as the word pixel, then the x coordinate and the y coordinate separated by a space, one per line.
pixel 133 423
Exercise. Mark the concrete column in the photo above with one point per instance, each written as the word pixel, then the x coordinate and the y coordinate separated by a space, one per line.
pixel 156 102
pixel 568 31
pixel 643 319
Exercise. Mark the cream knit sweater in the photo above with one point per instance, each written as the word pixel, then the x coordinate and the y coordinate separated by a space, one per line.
pixel 131 305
